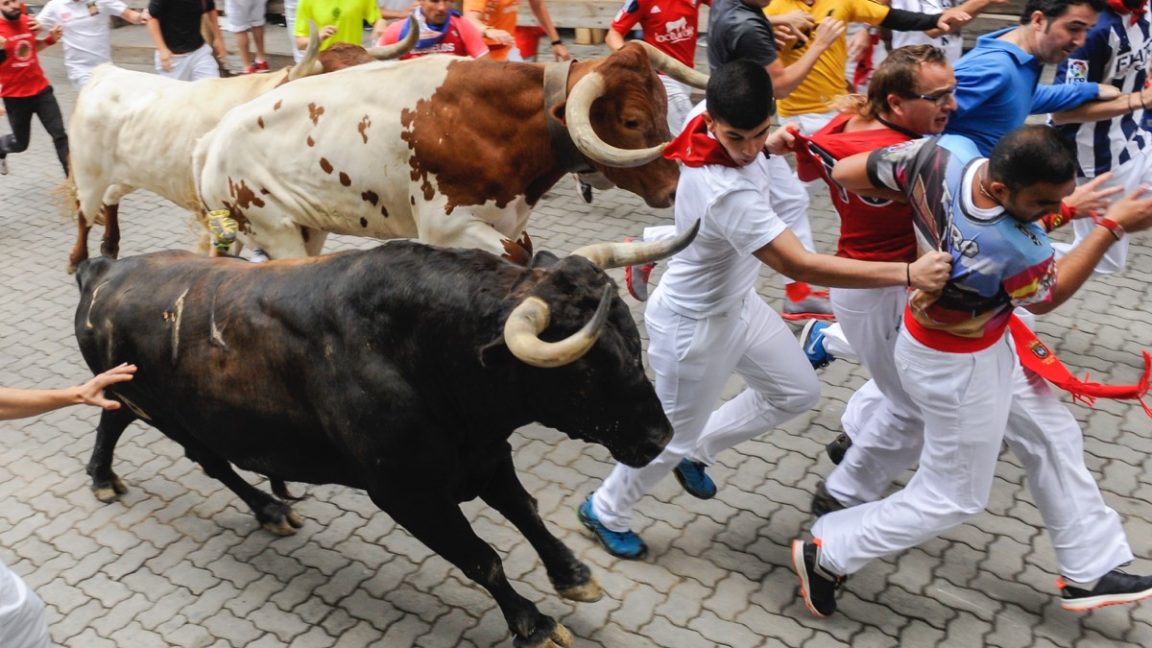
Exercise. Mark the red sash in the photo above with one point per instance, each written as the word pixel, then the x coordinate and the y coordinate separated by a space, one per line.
pixel 1037 357
pixel 695 147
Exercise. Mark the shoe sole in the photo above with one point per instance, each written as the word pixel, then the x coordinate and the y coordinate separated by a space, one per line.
pixel 794 317
pixel 801 569
pixel 1089 603
pixel 591 526
pixel 683 483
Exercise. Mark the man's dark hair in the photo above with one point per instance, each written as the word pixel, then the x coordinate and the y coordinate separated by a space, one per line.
pixel 1053 9
pixel 740 94
pixel 1030 155
pixel 899 74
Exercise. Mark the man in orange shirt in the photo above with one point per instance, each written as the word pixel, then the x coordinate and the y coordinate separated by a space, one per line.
pixel 496 20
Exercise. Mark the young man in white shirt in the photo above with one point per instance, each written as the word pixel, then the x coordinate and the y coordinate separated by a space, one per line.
pixel 705 320
pixel 87 32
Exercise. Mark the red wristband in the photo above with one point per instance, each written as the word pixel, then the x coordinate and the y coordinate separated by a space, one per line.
pixel 50 40
pixel 1114 228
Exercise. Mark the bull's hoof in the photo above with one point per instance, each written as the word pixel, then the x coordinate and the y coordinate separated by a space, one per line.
pixel 286 525
pixel 588 592
pixel 110 491
pixel 557 637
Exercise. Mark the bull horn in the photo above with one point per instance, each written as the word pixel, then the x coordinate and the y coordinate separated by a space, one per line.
pixel 578 116
pixel 618 255
pixel 396 50
pixel 308 65
pixel 674 68
pixel 531 317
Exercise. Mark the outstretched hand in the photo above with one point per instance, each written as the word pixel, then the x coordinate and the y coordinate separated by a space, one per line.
pixel 92 392
pixel 1089 196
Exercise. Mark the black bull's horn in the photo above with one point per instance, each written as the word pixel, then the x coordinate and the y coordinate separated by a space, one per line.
pixel 531 317
pixel 590 88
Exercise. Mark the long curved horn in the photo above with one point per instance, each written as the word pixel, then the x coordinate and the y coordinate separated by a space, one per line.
pixel 531 317
pixel 308 65
pixel 396 50
pixel 674 68
pixel 618 255
pixel 578 117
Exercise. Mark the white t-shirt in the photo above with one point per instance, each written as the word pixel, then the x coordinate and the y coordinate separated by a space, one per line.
pixel 714 274
pixel 951 42
pixel 86 30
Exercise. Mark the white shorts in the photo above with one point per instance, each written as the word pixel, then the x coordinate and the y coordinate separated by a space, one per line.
pixel 242 15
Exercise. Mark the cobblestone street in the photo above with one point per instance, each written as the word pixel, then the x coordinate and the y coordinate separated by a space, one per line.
pixel 180 561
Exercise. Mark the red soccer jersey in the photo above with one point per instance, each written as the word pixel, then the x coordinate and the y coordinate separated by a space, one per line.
pixel 20 73
pixel 871 229
pixel 668 25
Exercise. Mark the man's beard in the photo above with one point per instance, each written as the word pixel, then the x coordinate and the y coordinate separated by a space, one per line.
pixel 15 15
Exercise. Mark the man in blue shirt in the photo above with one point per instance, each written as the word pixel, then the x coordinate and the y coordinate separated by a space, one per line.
pixel 996 83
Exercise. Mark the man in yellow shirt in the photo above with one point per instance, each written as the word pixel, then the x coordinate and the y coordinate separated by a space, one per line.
pixel 810 103
pixel 339 21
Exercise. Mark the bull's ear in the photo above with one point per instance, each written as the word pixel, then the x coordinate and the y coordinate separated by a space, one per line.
pixel 557 113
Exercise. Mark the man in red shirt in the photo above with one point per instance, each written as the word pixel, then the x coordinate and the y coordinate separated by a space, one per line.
pixel 442 31
pixel 24 87
pixel 671 27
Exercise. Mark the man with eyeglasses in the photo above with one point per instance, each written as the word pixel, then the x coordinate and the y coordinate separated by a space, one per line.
pixel 996 82
pixel 910 96
pixel 1111 136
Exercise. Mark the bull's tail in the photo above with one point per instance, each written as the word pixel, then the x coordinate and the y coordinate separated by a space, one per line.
pixel 66 197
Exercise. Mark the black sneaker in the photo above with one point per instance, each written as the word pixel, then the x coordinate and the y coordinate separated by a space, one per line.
pixel 817 587
pixel 823 502
pixel 838 447
pixel 1114 588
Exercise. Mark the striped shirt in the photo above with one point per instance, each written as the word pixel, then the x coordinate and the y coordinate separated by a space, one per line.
pixel 1116 51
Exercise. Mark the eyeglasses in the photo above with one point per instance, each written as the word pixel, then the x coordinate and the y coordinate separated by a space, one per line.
pixel 938 99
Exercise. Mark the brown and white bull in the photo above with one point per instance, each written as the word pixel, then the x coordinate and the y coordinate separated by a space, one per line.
pixel 135 130
pixel 400 370
pixel 446 150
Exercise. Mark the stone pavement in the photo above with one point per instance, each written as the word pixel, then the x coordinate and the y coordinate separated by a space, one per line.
pixel 180 562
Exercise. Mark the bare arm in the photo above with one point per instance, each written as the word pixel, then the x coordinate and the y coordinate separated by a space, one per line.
pixel 21 403
pixel 1093 111
pixel 540 10
pixel 851 173
pixel 614 40
pixel 498 35
pixel 1133 213
pixel 213 19
pixel 786 255
pixel 786 79
pixel 972 8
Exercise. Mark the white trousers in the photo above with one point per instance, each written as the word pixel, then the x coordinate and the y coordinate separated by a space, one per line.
pixel 679 103
pixel 290 19
pixel 968 402
pixel 22 623
pixel 193 66
pixel 811 122
pixel 1130 176
pixel 692 360
pixel 880 418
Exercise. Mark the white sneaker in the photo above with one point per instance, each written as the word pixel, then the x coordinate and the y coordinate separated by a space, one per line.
pixel 3 166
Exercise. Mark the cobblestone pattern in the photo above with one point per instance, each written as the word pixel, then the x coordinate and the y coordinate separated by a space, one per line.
pixel 179 562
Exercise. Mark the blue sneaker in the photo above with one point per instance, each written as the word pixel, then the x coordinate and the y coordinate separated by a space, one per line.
pixel 812 341
pixel 692 477
pixel 622 544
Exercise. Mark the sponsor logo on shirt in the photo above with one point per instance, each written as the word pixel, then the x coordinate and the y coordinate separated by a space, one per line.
pixel 676 31
pixel 1077 71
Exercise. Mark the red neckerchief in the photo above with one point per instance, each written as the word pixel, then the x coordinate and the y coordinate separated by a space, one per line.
pixel 695 147
pixel 1036 356
pixel 1119 7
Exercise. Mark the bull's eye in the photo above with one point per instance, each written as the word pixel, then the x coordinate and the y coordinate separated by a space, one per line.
pixel 633 124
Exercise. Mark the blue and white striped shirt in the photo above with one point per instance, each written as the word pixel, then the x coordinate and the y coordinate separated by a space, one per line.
pixel 1117 51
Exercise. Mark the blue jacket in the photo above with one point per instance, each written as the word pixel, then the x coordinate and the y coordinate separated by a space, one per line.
pixel 996 90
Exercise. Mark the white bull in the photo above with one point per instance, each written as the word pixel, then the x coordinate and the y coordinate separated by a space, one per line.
pixel 452 151
pixel 134 130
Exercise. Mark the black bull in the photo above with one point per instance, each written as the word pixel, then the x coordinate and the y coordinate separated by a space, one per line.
pixel 384 370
